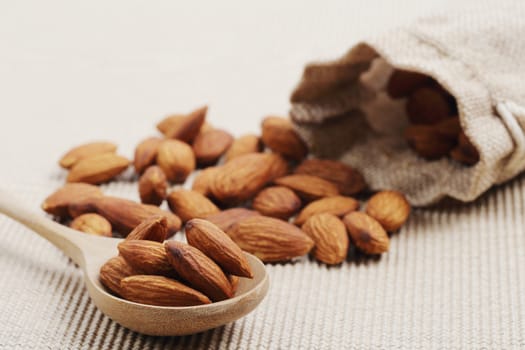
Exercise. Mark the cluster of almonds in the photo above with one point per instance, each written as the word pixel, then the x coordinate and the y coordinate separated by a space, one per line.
pixel 262 194
pixel 435 130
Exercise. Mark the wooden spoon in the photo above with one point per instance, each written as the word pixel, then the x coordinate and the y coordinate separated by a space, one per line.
pixel 91 252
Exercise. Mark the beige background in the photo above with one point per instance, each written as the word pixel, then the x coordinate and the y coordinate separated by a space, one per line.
pixel 72 72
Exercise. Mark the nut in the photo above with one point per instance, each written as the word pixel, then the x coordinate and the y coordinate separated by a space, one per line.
pixel 217 245
pixel 234 281
pixel 146 153
pixel 210 145
pixel 428 105
pixel 161 291
pixel 149 257
pixel 271 240
pixel 465 152
pixel 244 145
pixel 402 83
pixel 277 201
pixel 348 180
pixel 367 234
pixel 176 159
pixel 58 202
pixel 93 224
pixel 428 142
pixel 389 208
pixel 329 235
pixel 189 204
pixel 308 187
pixel 227 218
pixel 198 270
pixel 337 205
pixel 279 135
pixel 97 169
pixel 87 150
pixel 279 166
pixel 184 127
pixel 113 271
pixel 203 179
pixel 153 186
pixel 154 228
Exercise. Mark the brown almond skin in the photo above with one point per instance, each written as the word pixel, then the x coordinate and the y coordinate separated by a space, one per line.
pixel 367 234
pixel 449 127
pixel 348 180
pixel 244 145
pixel 229 217
pixel 146 153
pixel 210 145
pixel 402 83
pixel 203 179
pixel 241 178
pixel 428 142
pixel 87 150
pixel 154 228
pixel 113 271
pixel 234 281
pixel 98 169
pixel 217 245
pixel 270 239
pixel 184 127
pixel 176 159
pixel 153 186
pixel 308 187
pixel 337 205
pixel 58 202
pixel 279 166
pixel 390 208
pixel 330 237
pixel 160 291
pixel 125 215
pixel 277 201
pixel 465 152
pixel 198 270
pixel 92 223
pixel 279 135
pixel 149 257
pixel 188 204
pixel 427 106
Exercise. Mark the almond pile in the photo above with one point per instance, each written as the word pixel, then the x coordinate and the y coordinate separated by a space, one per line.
pixel 435 130
pixel 262 195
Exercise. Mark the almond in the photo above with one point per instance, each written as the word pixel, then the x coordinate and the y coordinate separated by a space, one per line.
pixel 277 201
pixel 449 127
pixel 402 83
pixel 125 215
pixel 198 270
pixel 160 291
pixel 234 281
pixel 367 234
pixel 82 206
pixel 308 187
pixel 58 202
pixel 329 235
pixel 176 159
pixel 93 224
pixel 337 205
pixel 229 217
pixel 154 228
pixel 217 245
pixel 279 135
pixel 271 240
pixel 203 179
pixel 98 169
pixel 244 145
pixel 427 105
pixel 113 271
pixel 149 257
pixel 428 142
pixel 87 150
pixel 348 180
pixel 279 166
pixel 153 186
pixel 209 146
pixel 146 153
pixel 465 152
pixel 183 127
pixel 188 204
pixel 389 208
pixel 241 178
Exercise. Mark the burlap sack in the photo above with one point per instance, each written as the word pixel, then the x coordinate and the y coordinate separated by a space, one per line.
pixel 341 110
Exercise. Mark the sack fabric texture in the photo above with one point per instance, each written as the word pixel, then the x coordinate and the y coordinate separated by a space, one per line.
pixel 477 56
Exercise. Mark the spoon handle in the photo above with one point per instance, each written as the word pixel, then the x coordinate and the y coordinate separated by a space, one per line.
pixel 67 240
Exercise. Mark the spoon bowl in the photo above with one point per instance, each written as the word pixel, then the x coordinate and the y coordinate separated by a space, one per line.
pixel 91 252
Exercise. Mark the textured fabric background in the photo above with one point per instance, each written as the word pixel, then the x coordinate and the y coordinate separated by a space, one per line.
pixel 454 276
